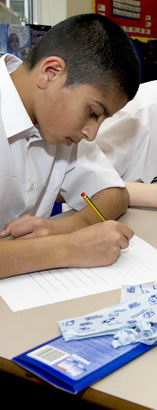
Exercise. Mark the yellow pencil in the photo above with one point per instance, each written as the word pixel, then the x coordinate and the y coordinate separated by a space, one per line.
pixel 95 209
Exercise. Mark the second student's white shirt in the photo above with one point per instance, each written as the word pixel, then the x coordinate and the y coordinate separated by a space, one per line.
pixel 33 172
pixel 129 138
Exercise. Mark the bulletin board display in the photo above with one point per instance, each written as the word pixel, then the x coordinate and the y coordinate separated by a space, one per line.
pixel 137 17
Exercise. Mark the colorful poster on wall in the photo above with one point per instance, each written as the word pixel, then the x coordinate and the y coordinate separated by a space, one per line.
pixel 137 17
pixel 127 8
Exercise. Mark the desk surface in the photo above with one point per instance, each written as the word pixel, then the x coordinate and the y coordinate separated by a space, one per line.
pixel 131 387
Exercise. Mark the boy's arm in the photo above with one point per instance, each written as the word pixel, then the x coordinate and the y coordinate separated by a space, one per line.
pixel 142 194
pixel 96 245
pixel 112 202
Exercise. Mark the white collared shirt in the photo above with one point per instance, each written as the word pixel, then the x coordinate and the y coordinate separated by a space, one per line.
pixel 129 138
pixel 33 172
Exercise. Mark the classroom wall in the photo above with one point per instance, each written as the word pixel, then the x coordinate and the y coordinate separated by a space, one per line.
pixel 50 12
pixel 79 7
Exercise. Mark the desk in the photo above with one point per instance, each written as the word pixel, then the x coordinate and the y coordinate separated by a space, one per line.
pixel 131 387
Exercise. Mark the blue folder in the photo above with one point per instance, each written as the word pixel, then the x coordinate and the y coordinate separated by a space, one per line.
pixel 77 364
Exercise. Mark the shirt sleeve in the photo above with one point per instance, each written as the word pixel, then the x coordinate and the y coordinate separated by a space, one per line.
pixel 118 137
pixel 149 156
pixel 129 139
pixel 91 173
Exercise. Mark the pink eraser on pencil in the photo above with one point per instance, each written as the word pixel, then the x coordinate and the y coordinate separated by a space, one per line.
pixel 83 194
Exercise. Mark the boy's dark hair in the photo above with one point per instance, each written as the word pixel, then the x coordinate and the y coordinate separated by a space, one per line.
pixel 96 51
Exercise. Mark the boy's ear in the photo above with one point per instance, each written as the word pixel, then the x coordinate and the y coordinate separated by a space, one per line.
pixel 49 70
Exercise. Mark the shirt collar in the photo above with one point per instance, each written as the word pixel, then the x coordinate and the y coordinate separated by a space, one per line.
pixel 14 115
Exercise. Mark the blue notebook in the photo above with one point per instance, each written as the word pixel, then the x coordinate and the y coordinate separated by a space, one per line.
pixel 77 364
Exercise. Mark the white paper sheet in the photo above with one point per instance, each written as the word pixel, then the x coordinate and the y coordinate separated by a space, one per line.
pixel 137 264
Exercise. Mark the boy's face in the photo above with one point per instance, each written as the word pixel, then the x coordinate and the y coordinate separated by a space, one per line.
pixel 69 114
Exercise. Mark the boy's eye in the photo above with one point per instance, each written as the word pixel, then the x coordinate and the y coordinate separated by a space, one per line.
pixel 94 115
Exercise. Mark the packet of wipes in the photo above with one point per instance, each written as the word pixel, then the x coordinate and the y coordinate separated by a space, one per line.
pixel 143 332
pixel 128 321
pixel 130 292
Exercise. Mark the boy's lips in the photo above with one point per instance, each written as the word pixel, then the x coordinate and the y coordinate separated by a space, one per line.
pixel 69 141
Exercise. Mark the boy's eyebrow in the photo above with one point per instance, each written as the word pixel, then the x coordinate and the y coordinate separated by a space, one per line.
pixel 106 112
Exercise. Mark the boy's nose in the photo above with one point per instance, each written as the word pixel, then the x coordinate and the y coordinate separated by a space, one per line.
pixel 90 132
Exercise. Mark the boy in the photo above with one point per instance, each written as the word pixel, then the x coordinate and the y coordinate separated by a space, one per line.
pixel 82 71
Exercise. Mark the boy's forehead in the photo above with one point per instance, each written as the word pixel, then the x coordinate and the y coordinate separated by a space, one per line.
pixel 111 101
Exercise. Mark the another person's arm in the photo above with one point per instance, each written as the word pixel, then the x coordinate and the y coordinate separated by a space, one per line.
pixel 142 194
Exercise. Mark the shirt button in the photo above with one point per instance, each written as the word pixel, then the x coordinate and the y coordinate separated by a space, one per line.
pixel 30 187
